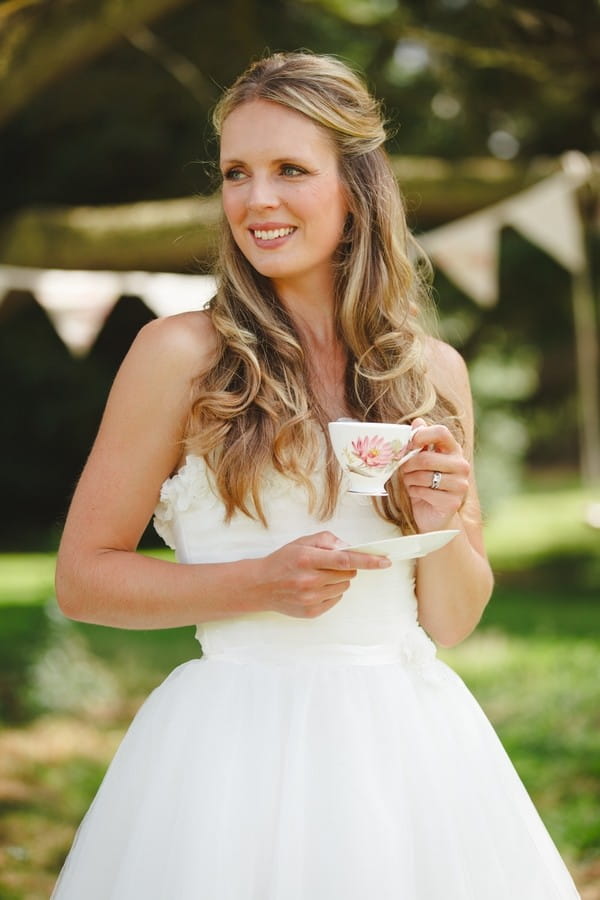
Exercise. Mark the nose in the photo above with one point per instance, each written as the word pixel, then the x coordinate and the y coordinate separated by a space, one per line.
pixel 262 193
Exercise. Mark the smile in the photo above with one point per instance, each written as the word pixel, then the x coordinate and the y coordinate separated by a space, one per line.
pixel 272 234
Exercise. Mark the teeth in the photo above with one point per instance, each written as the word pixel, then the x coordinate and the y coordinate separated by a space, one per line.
pixel 272 233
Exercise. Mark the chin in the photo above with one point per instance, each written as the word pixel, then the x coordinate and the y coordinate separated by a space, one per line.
pixel 272 270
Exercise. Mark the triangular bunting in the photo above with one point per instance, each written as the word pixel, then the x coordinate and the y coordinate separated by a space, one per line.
pixel 467 252
pixel 77 303
pixel 167 293
pixel 547 215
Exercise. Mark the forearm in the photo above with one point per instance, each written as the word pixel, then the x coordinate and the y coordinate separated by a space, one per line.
pixel 124 589
pixel 453 587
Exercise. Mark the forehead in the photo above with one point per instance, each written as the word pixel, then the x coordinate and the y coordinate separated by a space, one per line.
pixel 262 128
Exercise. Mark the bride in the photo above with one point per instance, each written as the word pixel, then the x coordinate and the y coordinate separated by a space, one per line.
pixel 318 750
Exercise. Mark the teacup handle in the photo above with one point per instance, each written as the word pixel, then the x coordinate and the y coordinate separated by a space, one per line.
pixel 408 456
pixel 413 452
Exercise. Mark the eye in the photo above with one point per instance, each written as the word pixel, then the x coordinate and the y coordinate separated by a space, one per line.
pixel 292 171
pixel 234 174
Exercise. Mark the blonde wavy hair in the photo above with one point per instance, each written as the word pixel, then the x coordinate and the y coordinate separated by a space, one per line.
pixel 255 409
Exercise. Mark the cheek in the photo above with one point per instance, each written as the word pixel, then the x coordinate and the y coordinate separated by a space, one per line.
pixel 335 202
pixel 232 207
pixel 335 215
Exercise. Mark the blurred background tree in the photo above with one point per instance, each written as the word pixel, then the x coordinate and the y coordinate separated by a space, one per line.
pixel 106 102
pixel 107 160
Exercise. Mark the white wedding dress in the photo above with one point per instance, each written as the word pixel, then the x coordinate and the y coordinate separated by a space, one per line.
pixel 327 759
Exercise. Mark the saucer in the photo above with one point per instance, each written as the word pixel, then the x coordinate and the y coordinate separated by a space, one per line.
pixel 409 546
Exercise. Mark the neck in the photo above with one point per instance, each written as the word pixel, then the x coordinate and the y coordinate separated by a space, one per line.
pixel 312 309
pixel 311 305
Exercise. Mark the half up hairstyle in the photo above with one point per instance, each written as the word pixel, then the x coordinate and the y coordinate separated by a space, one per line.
pixel 254 409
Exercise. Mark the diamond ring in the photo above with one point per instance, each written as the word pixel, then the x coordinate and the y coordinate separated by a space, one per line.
pixel 436 479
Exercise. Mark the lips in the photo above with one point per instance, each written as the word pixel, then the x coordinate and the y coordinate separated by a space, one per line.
pixel 270 232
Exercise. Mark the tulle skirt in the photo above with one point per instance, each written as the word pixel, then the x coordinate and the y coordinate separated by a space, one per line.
pixel 312 779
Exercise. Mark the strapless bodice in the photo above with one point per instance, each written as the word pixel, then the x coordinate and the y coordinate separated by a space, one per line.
pixel 377 616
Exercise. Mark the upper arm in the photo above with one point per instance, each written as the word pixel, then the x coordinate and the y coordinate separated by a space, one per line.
pixel 139 441
pixel 449 374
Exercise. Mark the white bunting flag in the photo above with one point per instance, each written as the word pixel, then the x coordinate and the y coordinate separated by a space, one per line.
pixel 467 252
pixel 547 215
pixel 79 302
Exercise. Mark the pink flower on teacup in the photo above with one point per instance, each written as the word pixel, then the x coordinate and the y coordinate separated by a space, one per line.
pixel 374 451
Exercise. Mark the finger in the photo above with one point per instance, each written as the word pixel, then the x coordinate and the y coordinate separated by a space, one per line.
pixel 429 462
pixel 324 540
pixel 439 482
pixel 416 425
pixel 342 560
pixel 446 483
pixel 317 609
pixel 437 436
pixel 450 468
pixel 333 590
pixel 445 501
pixel 335 578
pixel 322 594
pixel 357 560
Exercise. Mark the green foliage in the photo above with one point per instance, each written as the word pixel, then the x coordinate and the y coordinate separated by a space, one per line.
pixel 49 407
pixel 24 632
pixel 51 411
pixel 449 74
pixel 521 357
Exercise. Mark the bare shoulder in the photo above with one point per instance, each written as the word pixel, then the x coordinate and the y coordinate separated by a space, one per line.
pixel 445 365
pixel 150 396
pixel 448 372
pixel 184 343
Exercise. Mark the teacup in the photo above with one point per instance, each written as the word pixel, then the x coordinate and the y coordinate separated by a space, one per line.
pixel 369 452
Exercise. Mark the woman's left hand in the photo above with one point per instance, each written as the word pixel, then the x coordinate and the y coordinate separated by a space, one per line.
pixel 437 478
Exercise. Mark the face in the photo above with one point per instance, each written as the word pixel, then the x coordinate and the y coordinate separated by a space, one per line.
pixel 282 194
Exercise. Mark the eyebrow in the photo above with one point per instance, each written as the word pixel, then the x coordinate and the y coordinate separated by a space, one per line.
pixel 279 161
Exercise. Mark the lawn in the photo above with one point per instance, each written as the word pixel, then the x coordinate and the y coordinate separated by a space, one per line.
pixel 67 691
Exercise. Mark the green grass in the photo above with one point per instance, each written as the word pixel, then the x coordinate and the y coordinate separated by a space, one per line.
pixel 545 531
pixel 541 694
pixel 26 578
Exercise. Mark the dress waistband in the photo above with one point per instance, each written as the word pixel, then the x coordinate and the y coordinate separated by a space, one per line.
pixel 414 649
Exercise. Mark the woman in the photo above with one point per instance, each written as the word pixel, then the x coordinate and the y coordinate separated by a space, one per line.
pixel 318 749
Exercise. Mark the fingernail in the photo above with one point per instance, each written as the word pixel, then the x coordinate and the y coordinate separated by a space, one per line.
pixel 384 562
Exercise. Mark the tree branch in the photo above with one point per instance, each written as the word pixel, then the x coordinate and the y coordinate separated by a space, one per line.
pixel 178 235
pixel 41 42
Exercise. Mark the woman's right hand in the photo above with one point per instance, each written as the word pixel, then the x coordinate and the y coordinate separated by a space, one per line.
pixel 308 576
